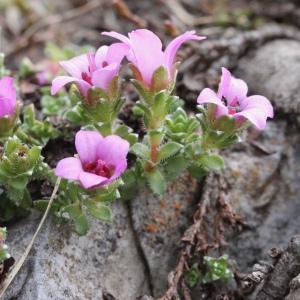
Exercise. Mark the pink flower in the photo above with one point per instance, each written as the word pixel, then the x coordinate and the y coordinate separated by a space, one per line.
pixel 100 160
pixel 92 70
pixel 232 99
pixel 8 97
pixel 146 51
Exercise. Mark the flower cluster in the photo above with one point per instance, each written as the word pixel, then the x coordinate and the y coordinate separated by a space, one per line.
pixel 172 141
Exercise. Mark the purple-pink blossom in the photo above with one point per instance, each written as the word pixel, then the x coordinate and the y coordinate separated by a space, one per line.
pixel 231 99
pixel 100 160
pixel 92 69
pixel 8 97
pixel 146 52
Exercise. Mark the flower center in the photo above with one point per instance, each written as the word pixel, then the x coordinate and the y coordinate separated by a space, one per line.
pixel 86 77
pixel 234 106
pixel 100 168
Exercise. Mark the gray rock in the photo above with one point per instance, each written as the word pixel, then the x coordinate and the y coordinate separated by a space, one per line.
pixel 160 223
pixel 273 70
pixel 63 265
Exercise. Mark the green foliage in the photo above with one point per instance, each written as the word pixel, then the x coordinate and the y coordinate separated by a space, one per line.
pixel 18 166
pixel 168 150
pixel 74 203
pixel 182 128
pixel 33 131
pixel 215 269
pixel 212 162
pixel 192 277
pixel 157 182
pixel 55 105
pixel 3 247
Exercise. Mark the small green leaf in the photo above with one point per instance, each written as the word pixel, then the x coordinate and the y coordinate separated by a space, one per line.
pixel 168 150
pixel 140 150
pixel 160 79
pixel 225 123
pixel 212 162
pixel 157 182
pixel 143 91
pixel 197 171
pixel 175 166
pixel 192 277
pixel 99 210
pixel 80 221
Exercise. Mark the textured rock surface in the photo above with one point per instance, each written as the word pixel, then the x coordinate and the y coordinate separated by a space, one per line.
pixel 65 266
pixel 264 177
pixel 133 256
pixel 273 71
pixel 159 224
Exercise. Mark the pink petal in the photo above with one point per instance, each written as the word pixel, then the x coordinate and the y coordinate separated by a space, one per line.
pixel 224 82
pixel 147 51
pixel 236 90
pixel 120 168
pixel 102 77
pixel 8 96
pixel 116 52
pixel 209 96
pixel 117 36
pixel 100 56
pixel 256 116
pixel 259 102
pixel 126 41
pixel 113 150
pixel 89 180
pixel 87 143
pixel 61 81
pixel 69 168
pixel 76 65
pixel 172 48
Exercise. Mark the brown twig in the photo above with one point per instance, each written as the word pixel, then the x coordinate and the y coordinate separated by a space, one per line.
pixel 188 240
pixel 199 238
pixel 123 10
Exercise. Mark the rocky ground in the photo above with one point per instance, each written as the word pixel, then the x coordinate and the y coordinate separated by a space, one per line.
pixel 132 257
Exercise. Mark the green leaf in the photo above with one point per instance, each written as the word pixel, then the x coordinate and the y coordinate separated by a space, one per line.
pixel 99 210
pixel 157 182
pixel 80 221
pixel 140 150
pixel 212 162
pixel 168 150
pixel 131 179
pixel 192 277
pixel 107 196
pixel 160 108
pixel 160 79
pixel 19 182
pixel 175 166
pixel 197 171
pixel 143 91
pixel 123 130
pixel 225 123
